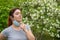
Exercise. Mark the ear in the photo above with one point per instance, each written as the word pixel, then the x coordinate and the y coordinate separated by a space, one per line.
pixel 11 18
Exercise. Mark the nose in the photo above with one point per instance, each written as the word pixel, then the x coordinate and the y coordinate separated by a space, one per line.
pixel 20 15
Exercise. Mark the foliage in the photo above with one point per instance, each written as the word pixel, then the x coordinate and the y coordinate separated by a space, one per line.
pixel 42 15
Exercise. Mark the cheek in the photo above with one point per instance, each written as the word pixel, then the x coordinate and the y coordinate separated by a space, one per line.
pixel 21 16
pixel 15 17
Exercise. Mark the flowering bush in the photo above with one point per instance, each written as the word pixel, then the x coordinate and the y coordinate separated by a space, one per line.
pixel 42 15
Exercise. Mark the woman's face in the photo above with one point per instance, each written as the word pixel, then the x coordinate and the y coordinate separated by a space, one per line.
pixel 17 15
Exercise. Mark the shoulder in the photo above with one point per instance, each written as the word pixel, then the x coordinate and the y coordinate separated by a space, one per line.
pixel 5 32
pixel 28 27
pixel 6 29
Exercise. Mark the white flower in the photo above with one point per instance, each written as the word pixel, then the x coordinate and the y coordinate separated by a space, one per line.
pixel 57 21
pixel 52 34
pixel 50 27
pixel 42 16
pixel 37 26
pixel 58 35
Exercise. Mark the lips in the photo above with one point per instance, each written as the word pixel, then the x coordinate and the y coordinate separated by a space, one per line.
pixel 20 18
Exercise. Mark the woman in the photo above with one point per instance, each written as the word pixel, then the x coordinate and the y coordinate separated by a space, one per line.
pixel 16 30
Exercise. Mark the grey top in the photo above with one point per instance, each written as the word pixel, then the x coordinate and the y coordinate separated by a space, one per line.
pixel 12 34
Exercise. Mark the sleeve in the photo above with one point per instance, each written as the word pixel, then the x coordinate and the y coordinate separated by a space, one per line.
pixel 4 33
pixel 28 27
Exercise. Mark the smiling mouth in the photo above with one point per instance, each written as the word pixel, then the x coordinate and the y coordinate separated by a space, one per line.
pixel 20 18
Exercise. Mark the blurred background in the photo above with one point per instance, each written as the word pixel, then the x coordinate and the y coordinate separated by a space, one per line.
pixel 43 16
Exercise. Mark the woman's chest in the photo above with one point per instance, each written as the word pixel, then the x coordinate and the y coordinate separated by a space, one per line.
pixel 13 35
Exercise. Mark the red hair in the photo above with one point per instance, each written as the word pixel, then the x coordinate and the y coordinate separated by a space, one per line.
pixel 9 21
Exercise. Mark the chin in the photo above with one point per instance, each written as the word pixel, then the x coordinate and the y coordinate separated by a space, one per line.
pixel 19 20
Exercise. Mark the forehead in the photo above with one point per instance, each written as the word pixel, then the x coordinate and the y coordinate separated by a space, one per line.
pixel 17 11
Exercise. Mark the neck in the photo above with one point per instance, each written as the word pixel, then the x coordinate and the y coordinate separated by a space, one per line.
pixel 19 21
pixel 15 28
